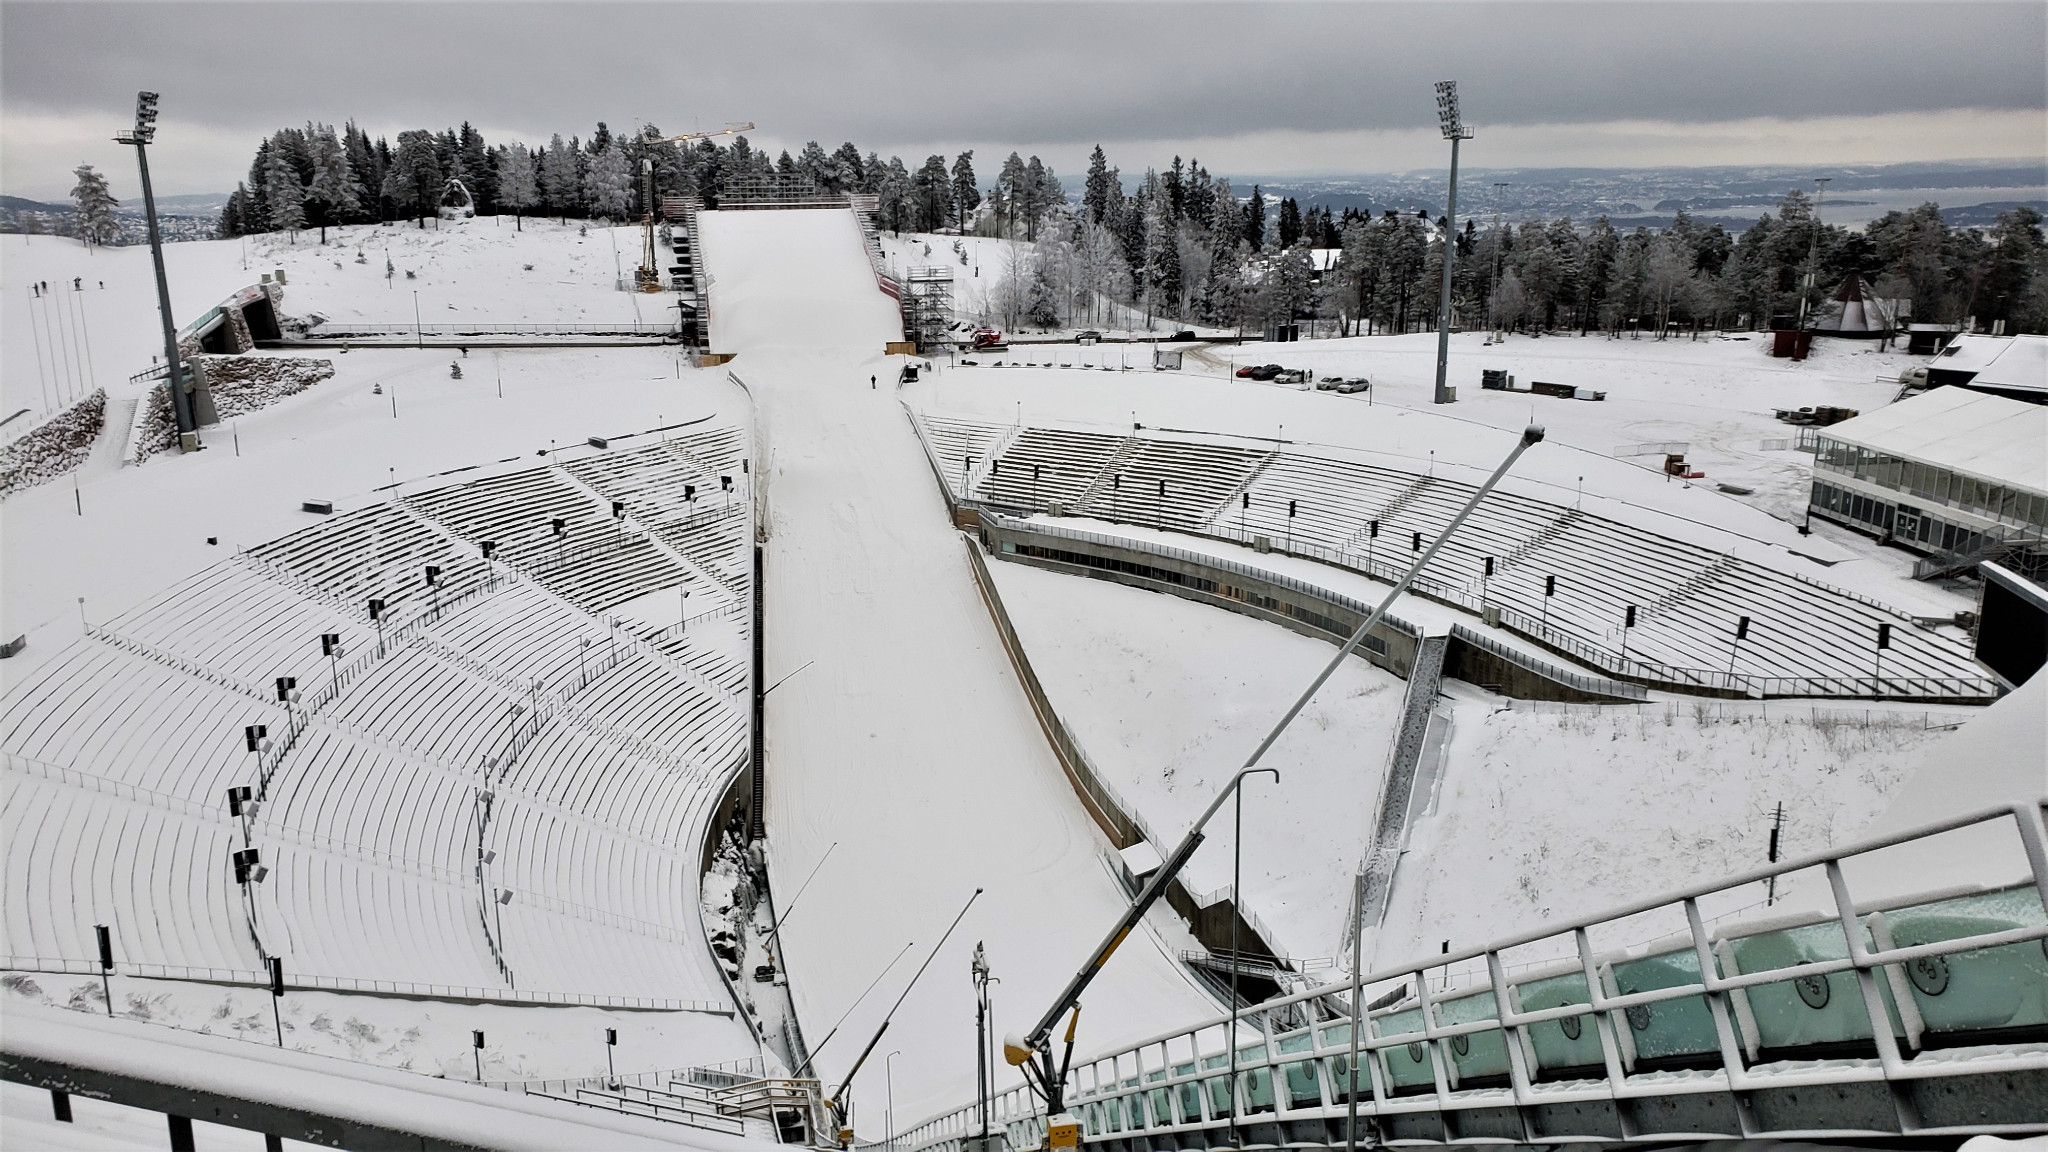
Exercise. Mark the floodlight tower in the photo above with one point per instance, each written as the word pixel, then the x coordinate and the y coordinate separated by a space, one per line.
pixel 181 403
pixel 1820 184
pixel 1454 130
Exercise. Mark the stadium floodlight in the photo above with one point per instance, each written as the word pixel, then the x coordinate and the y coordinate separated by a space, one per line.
pixel 139 138
pixel 1447 114
pixel 1452 123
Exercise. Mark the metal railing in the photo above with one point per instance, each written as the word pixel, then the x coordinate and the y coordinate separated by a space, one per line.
pixel 1312 1075
pixel 346 329
pixel 303 982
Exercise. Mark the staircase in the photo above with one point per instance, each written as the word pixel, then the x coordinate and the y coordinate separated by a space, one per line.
pixel 1217 513
pixel 1390 829
pixel 1542 539
pixel 1099 488
pixel 765 1109
pixel 1691 586
pixel 686 268
pixel 1392 509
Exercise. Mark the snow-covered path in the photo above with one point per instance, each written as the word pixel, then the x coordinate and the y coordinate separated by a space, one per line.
pixel 902 734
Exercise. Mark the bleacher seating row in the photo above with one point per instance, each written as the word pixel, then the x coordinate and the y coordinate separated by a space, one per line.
pixel 1802 638
pixel 604 753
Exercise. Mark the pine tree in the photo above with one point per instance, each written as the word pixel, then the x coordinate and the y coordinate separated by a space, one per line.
pixel 933 194
pixel 477 174
pixel 333 190
pixel 96 222
pixel 234 215
pixel 286 195
pixel 1095 191
pixel 415 177
pixel 1255 219
pixel 365 170
pixel 558 178
pixel 966 195
pixel 517 188
pixel 608 187
pixel 1011 182
pixel 817 167
pixel 1290 222
pixel 851 172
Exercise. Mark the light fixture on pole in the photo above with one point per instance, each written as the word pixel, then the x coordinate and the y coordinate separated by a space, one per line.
pixel 174 379
pixel 1454 130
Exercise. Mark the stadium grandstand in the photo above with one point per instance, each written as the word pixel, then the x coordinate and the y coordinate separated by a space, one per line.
pixel 1659 609
pixel 462 773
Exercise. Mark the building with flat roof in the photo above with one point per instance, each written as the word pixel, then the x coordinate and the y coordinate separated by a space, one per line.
pixel 2011 366
pixel 1945 472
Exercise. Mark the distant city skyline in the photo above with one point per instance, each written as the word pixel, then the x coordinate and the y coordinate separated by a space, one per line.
pixel 1279 91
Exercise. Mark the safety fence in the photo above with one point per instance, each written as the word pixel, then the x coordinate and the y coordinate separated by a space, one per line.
pixel 1886 1016
pixel 301 982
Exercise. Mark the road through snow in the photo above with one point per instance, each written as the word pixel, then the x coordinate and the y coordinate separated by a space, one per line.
pixel 907 739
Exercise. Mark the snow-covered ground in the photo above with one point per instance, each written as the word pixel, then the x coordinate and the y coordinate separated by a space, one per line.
pixel 900 733
pixel 462 271
pixel 1169 697
pixel 1544 815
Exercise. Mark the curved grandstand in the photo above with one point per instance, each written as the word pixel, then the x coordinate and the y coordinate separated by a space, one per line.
pixel 1656 608
pixel 479 767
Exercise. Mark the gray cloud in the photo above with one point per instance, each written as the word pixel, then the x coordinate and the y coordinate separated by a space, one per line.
pixel 1058 76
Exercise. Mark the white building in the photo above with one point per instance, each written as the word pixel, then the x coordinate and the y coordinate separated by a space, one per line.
pixel 2015 366
pixel 1939 472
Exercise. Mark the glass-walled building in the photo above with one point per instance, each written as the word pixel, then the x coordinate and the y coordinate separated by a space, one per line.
pixel 1941 472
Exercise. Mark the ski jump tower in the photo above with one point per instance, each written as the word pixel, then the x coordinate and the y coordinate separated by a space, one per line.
pixel 928 306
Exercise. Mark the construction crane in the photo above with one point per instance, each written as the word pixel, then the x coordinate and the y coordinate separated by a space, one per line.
pixel 647 278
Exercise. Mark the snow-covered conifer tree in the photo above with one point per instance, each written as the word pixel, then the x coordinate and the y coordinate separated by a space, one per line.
pixel 333 190
pixel 96 223
pixel 558 181
pixel 966 196
pixel 608 188
pixel 518 188
pixel 286 195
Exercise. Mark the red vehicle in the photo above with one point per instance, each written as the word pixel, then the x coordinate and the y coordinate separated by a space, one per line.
pixel 987 338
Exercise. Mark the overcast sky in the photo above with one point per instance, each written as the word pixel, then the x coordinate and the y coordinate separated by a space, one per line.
pixel 1267 89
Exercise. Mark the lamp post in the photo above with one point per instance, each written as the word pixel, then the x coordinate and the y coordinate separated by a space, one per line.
pixel 1455 131
pixel 889 1079
pixel 181 402
pixel 1237 918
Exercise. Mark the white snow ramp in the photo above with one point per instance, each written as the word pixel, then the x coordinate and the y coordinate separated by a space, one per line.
pixel 907 740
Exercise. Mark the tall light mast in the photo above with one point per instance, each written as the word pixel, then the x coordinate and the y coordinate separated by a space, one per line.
pixel 181 402
pixel 1455 131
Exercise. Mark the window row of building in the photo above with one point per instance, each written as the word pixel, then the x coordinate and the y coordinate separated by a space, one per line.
pixel 1932 483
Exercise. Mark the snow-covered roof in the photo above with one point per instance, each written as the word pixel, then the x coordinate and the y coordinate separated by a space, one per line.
pixel 2004 361
pixel 1989 437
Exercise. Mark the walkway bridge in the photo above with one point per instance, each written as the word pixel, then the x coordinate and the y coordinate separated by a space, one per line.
pixel 1844 1016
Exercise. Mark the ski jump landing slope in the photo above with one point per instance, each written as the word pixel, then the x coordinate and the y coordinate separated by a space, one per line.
pixel 902 734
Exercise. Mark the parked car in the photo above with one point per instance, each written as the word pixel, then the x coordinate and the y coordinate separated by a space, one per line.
pixel 1329 383
pixel 1089 337
pixel 1244 373
pixel 1359 384
pixel 1184 334
pixel 1290 376
pixel 987 338
pixel 1266 371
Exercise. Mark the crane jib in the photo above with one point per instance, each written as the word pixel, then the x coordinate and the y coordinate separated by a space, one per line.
pixel 1106 952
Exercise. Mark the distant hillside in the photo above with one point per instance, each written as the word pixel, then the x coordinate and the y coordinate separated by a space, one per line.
pixel 191 217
